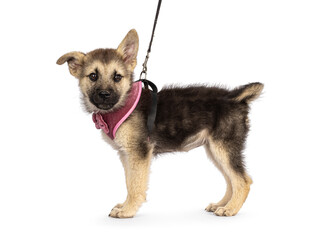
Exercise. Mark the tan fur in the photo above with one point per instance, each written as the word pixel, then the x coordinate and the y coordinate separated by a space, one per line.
pixel 195 141
pixel 237 187
pixel 212 207
pixel 75 62
pixel 136 169
pixel 254 90
pixel 123 49
pixel 202 139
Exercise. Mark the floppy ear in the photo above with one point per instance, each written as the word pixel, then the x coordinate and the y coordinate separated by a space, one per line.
pixel 128 48
pixel 75 62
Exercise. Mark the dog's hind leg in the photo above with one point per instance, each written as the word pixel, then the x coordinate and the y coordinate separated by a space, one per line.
pixel 212 207
pixel 238 182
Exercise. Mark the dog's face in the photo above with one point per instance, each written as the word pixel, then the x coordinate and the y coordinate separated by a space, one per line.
pixel 105 75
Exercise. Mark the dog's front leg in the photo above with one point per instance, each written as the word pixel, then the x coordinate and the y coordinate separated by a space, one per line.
pixel 136 168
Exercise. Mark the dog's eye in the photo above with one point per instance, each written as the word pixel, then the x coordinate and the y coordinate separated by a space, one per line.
pixel 93 77
pixel 117 77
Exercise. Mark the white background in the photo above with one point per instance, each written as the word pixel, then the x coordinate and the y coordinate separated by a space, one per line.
pixel 59 180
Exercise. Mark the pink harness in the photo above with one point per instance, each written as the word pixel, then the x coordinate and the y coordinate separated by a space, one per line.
pixel 110 122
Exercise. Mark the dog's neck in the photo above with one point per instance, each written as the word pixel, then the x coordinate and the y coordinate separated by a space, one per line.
pixel 110 122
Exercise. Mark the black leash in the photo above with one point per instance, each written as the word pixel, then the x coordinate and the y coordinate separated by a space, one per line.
pixel 144 65
pixel 143 78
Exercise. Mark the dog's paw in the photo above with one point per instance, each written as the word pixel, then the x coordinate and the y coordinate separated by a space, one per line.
pixel 119 205
pixel 223 211
pixel 212 207
pixel 121 213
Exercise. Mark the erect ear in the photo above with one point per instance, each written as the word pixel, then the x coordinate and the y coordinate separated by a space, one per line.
pixel 75 62
pixel 128 48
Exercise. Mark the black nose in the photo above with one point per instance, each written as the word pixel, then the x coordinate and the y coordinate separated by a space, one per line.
pixel 104 94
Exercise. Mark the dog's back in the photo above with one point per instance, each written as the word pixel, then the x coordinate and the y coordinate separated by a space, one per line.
pixel 186 112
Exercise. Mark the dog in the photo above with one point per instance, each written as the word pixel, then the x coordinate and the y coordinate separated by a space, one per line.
pixel 186 118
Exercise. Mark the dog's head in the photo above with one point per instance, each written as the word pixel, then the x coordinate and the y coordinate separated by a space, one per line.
pixel 105 75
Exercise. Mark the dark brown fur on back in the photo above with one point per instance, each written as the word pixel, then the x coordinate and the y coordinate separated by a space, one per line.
pixel 185 111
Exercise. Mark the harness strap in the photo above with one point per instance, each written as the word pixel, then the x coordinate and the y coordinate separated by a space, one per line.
pixel 154 102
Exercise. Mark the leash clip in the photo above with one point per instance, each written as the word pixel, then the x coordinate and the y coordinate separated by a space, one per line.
pixel 143 75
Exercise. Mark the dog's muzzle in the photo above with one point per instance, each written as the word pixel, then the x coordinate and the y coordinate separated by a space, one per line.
pixel 104 99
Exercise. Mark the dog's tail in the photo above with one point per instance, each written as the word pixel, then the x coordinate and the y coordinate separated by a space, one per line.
pixel 246 93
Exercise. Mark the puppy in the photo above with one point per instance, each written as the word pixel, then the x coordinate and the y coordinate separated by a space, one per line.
pixel 187 117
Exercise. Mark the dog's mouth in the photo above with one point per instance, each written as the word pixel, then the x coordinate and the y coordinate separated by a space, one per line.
pixel 104 106
pixel 104 100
